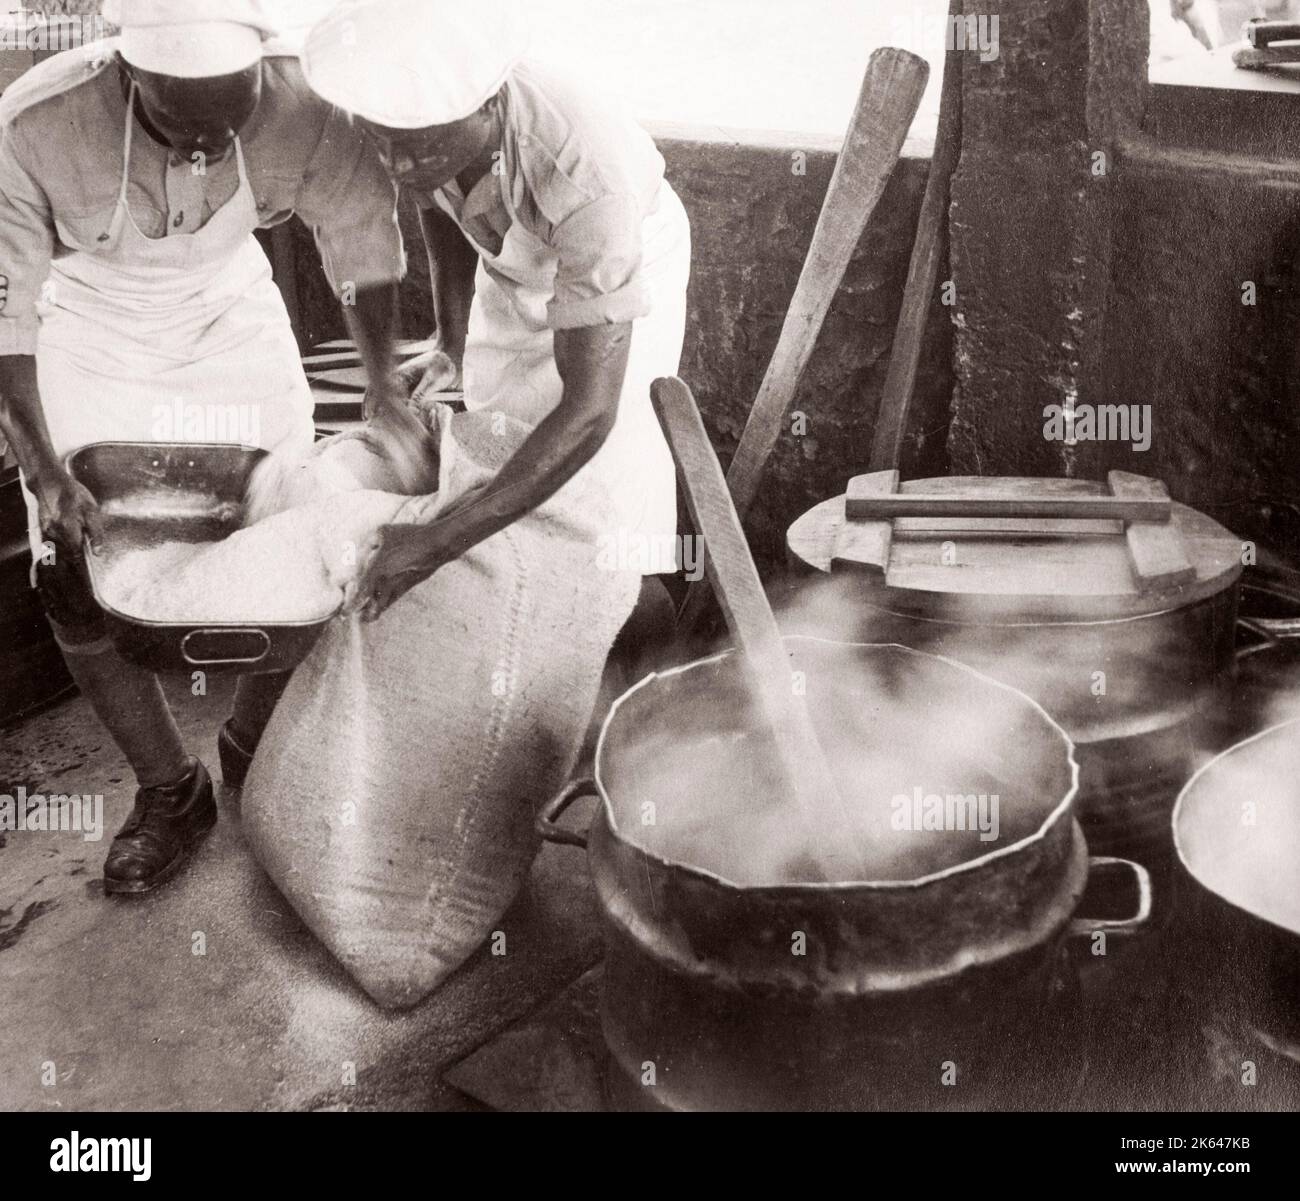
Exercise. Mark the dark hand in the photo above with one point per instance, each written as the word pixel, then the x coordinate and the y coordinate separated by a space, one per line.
pixel 433 371
pixel 405 441
pixel 407 555
pixel 68 512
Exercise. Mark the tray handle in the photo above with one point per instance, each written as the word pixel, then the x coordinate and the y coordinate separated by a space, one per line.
pixel 218 634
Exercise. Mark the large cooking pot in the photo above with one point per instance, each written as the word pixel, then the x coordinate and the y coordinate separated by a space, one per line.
pixel 1237 833
pixel 1056 608
pixel 783 994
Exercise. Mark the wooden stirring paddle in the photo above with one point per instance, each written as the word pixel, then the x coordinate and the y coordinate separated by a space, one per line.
pixel 734 577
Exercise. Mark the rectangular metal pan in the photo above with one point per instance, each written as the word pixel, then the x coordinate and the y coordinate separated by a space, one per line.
pixel 155 492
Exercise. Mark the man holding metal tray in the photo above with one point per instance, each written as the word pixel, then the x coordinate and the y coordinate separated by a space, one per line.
pixel 132 176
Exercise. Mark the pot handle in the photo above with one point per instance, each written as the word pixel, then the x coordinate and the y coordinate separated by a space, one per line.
pixel 1272 631
pixel 1085 926
pixel 547 824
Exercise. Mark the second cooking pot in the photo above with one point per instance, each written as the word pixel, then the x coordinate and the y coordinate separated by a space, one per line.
pixel 1058 608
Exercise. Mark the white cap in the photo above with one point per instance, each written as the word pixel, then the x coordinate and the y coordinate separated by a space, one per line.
pixel 190 39
pixel 408 64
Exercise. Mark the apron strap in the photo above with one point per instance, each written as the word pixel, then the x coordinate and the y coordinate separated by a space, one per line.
pixel 239 165
pixel 119 209
pixel 127 135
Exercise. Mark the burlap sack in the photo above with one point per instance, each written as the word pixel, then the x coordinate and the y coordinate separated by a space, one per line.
pixel 393 795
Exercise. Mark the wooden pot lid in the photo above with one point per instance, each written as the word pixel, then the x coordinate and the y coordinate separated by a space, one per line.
pixel 1017 549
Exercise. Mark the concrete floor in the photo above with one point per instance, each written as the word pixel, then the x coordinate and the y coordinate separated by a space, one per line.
pixel 111 994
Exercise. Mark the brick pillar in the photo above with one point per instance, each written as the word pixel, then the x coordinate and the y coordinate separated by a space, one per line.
pixel 1030 222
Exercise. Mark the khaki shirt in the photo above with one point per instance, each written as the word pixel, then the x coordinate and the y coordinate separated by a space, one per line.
pixel 582 177
pixel 61 144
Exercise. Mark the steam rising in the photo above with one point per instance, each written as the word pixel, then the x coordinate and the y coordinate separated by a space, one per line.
pixel 699 783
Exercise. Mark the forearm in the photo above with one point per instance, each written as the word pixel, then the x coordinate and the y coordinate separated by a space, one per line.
pixel 452 264
pixel 592 364
pixel 372 321
pixel 556 450
pixel 22 420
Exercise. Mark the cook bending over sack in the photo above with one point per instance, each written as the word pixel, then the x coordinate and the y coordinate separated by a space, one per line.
pixel 132 176
pixel 559 259
pixel 411 829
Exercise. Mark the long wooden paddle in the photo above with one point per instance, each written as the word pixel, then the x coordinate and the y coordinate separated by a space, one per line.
pixel 923 274
pixel 891 93
pixel 735 580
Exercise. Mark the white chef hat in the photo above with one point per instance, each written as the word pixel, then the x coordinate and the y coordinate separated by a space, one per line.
pixel 409 64
pixel 190 39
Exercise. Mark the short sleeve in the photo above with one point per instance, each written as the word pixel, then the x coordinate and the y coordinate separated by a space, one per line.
pixel 27 241
pixel 598 276
pixel 350 204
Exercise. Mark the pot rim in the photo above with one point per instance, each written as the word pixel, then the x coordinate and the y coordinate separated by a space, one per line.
pixel 973 621
pixel 1062 809
pixel 1184 796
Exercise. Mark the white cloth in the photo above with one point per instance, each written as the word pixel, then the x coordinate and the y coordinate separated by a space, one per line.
pixel 409 64
pixel 510 368
pixel 176 339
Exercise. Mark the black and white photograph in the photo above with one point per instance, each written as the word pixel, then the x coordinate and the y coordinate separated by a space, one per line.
pixel 649 556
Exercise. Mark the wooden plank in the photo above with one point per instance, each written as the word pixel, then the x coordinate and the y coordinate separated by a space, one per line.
pixel 1263 60
pixel 891 93
pixel 1046 504
pixel 352 357
pixel 731 570
pixel 923 272
pixel 341 379
pixel 864 545
pixel 1025 527
pixel 1157 550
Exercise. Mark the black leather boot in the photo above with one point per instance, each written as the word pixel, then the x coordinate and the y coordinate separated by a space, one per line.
pixel 235 760
pixel 168 821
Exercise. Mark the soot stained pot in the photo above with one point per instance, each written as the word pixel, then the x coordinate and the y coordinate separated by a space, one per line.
pixel 1237 833
pixel 1055 608
pixel 703 994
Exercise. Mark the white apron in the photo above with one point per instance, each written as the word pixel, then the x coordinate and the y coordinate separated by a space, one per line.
pixel 172 339
pixel 510 368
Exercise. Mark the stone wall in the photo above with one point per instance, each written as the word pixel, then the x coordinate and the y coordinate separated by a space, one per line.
pixel 1126 287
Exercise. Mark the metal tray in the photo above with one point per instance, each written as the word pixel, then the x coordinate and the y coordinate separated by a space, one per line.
pixel 155 492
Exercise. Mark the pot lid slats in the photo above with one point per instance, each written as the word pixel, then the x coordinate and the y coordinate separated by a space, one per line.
pixel 1022 567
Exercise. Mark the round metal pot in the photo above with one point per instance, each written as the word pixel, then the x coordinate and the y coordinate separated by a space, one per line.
pixel 833 995
pixel 1130 668
pixel 1131 693
pixel 1237 824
